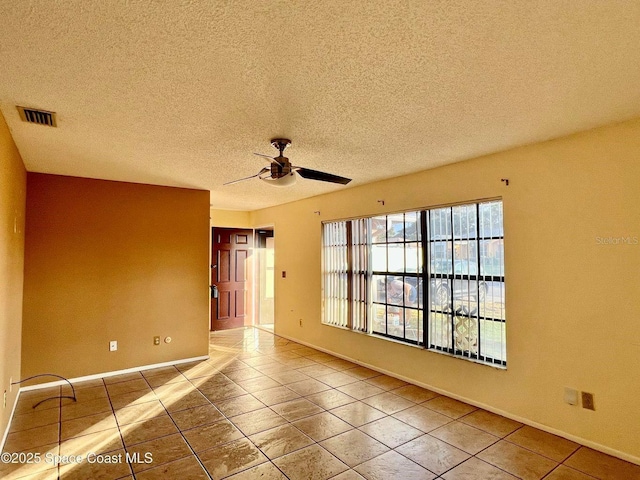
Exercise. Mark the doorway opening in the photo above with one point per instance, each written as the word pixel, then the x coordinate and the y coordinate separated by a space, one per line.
pixel 265 278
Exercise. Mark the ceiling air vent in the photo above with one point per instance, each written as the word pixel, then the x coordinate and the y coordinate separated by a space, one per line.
pixel 41 117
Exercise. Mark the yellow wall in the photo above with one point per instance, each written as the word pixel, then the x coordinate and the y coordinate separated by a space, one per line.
pixel 572 304
pixel 112 261
pixel 230 218
pixel 13 187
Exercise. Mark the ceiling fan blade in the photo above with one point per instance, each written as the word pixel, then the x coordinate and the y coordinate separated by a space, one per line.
pixel 321 176
pixel 264 170
pixel 271 159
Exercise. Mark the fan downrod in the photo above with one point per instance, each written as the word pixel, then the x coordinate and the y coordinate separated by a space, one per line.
pixel 280 144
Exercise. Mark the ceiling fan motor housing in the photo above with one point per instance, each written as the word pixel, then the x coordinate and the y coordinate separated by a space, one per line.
pixel 282 168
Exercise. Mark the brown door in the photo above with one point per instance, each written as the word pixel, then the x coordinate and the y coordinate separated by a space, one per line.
pixel 230 256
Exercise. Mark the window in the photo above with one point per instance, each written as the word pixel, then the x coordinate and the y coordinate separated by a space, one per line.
pixel 433 278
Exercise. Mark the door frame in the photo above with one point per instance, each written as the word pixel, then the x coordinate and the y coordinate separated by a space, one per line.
pixel 256 277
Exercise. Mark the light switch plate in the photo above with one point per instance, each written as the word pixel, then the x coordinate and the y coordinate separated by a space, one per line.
pixel 113 345
pixel 570 396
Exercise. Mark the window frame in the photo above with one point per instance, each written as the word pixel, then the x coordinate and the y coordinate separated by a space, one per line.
pixel 360 314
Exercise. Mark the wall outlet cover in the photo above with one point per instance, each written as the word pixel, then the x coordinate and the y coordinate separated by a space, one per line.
pixel 113 345
pixel 570 396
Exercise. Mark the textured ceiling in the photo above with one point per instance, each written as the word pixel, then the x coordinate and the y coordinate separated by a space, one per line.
pixel 182 93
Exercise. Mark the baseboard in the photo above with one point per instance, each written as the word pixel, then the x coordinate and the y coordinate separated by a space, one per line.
pixel 6 430
pixel 113 373
pixel 497 411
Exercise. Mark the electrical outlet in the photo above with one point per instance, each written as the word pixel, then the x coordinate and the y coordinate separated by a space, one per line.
pixel 113 345
pixel 284 274
pixel 587 401
pixel 156 340
pixel 300 322
pixel 5 399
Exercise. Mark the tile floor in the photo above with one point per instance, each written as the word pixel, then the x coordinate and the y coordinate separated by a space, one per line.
pixel 264 407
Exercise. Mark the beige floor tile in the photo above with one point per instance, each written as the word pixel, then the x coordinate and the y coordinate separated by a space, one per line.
pixel 46 474
pixel 391 466
pixel 360 390
pixel 152 372
pixel 322 426
pixel 449 407
pixel 202 370
pixel 34 419
pixel 280 441
pixel 551 446
pixel 85 393
pixel 296 409
pixel 391 432
pixel 329 399
pixel 123 377
pixel 299 362
pixel 358 413
pixel 260 360
pixel 308 387
pixel 100 442
pixel 317 370
pixel 163 450
pixel 464 437
pixel 388 403
pixel 490 422
pixel 132 398
pixel 386 382
pixel 83 409
pixel 474 469
pixel 341 364
pixel 17 469
pixel 121 388
pixel 288 377
pixel 231 458
pixel 196 416
pixel 273 396
pixel 602 466
pixel 85 425
pixel 264 471
pixel 182 402
pixel 258 421
pixel 310 463
pixel 348 475
pixel 208 436
pixel 187 468
pixel 239 405
pixel 422 418
pixel 34 437
pixel 321 357
pixel 224 392
pixel 517 461
pixel 148 430
pixel 243 374
pixel 259 383
pixel 566 473
pixel 45 399
pixel 337 379
pixel 166 379
pixel 433 454
pixel 140 412
pixel 362 373
pixel 94 382
pixel 415 394
pixel 112 465
pixel 354 447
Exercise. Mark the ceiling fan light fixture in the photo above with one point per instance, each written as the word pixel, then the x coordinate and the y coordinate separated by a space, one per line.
pixel 286 181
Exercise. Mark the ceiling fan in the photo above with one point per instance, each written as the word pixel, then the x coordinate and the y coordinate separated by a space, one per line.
pixel 282 174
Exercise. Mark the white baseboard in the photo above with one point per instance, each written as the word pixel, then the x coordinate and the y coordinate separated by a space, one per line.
pixel 112 374
pixel 517 418
pixel 6 430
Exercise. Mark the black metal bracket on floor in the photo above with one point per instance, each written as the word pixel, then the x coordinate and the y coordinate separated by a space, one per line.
pixel 50 398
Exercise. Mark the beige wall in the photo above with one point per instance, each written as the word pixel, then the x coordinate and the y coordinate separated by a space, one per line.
pixel 230 218
pixel 112 261
pixel 572 304
pixel 13 187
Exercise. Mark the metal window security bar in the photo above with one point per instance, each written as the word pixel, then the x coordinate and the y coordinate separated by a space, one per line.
pixel 432 277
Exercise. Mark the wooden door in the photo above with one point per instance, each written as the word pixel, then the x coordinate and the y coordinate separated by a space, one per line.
pixel 230 256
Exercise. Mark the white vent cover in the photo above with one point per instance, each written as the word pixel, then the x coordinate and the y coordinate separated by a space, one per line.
pixel 41 117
